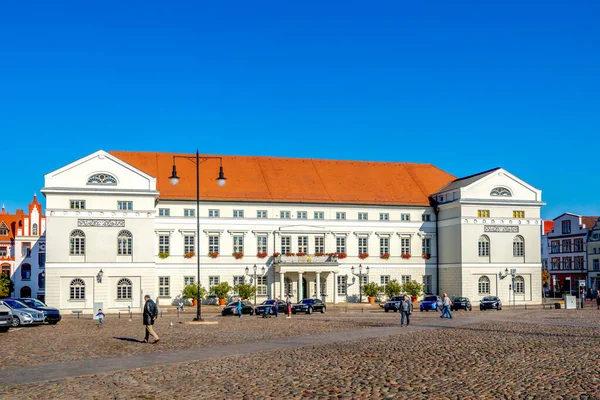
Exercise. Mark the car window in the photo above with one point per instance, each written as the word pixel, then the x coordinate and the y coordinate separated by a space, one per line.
pixel 234 303
pixel 306 301
pixel 488 299
pixel 460 299
pixel 37 303
pixel 430 298
pixel 14 304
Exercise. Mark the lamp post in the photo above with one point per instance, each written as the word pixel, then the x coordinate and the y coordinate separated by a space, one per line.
pixel 360 277
pixel 513 274
pixel 221 180
pixel 262 270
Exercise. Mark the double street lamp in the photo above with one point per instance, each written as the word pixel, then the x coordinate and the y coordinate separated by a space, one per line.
pixel 360 277
pixel 513 274
pixel 262 273
pixel 221 180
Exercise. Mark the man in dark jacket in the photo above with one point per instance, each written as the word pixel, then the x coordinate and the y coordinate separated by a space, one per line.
pixel 405 311
pixel 150 314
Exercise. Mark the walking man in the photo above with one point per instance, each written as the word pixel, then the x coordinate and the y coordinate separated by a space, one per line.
pixel 598 300
pixel 446 307
pixel 288 303
pixel 276 309
pixel 405 311
pixel 150 314
pixel 239 307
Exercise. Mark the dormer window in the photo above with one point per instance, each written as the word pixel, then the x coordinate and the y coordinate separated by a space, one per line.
pixel 102 179
pixel 501 191
pixel 3 230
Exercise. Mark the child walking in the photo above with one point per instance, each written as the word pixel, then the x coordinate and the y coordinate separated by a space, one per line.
pixel 100 317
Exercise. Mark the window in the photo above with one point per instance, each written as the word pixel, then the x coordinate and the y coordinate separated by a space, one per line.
pixel 238 213
pixel 364 279
pixel 34 229
pixel 566 227
pixel 124 243
pixel 383 281
pixel 261 214
pixel 26 272
pixel 3 251
pixel 363 216
pixel 188 280
pixel 5 269
pixel 342 285
pixel 518 246
pixel 319 215
pixel 500 191
pixel 518 214
pixel 303 244
pixel 77 289
pixel 483 213
pixel 566 246
pixel 212 281
pixel 164 212
pixel 426 217
pixel 363 245
pixel 427 283
pixel 340 244
pixel 319 244
pixel 384 245
pixel 261 285
pixel 284 214
pixel 301 215
pixel 164 289
pixel 404 217
pixel 77 204
pixel 213 213
pixel 519 285
pixel 42 280
pixel 163 244
pixel 102 179
pixel 26 250
pixel 555 247
pixel 426 246
pixel 579 262
pixel 555 263
pixel 3 230
pixel 189 244
pixel 238 244
pixel 340 215
pixel 483 285
pixel 286 244
pixel 484 246
pixel 125 205
pixel 237 279
pixel 578 245
pixel 124 289
pixel 567 263
pixel 189 212
pixel 405 246
pixel 405 279
pixel 213 244
pixel 261 244
pixel 596 264
pixel 384 216
pixel 77 243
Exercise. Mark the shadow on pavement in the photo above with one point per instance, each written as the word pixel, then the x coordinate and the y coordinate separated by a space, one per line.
pixel 127 339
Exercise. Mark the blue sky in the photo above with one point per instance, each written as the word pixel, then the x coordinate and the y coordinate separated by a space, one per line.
pixel 464 85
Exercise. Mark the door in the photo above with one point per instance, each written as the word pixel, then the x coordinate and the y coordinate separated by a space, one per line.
pixel 304 289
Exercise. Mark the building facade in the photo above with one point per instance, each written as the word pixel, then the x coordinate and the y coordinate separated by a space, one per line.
pixel 593 255
pixel 117 229
pixel 23 250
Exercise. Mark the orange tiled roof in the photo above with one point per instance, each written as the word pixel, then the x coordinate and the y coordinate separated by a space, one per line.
pixel 294 179
pixel 589 222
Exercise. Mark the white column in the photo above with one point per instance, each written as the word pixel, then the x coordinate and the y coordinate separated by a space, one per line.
pixel 299 286
pixel 335 289
pixel 282 287
pixel 318 285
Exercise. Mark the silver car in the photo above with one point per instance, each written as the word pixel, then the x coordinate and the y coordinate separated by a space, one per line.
pixel 6 318
pixel 23 315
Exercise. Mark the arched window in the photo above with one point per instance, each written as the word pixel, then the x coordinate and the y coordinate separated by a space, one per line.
pixel 289 287
pixel 519 284
pixel 6 269
pixel 77 243
pixel 34 229
pixel 483 285
pixel 77 287
pixel 124 243
pixel 25 292
pixel 124 289
pixel 518 246
pixel 501 191
pixel 26 272
pixel 484 246
pixel 102 179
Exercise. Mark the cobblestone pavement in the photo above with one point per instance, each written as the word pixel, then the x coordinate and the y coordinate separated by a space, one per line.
pixel 482 358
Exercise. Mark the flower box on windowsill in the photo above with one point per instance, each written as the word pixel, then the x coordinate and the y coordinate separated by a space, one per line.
pixel 341 255
pixel 319 254
pixel 261 255
pixel 189 254
pixel 300 254
pixel 163 255
pixel 213 254
pixel 276 254
pixel 406 256
pixel 238 255
pixel 426 256
pixel 384 256
pixel 362 256
pixel 289 254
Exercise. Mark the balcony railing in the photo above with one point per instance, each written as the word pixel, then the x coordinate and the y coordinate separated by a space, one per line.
pixel 283 259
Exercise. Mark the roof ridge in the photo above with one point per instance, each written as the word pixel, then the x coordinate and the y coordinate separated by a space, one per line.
pixel 416 181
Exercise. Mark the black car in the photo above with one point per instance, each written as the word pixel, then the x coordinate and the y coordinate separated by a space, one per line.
pixel 393 303
pixel 490 302
pixel 231 308
pixel 461 303
pixel 52 315
pixel 308 306
pixel 281 307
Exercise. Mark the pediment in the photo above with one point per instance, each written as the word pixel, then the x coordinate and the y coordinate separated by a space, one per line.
pixel 501 185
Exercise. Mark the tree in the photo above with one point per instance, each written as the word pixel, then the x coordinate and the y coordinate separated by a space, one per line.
pixel 545 278
pixel 221 290
pixel 413 288
pixel 393 288
pixel 191 292
pixel 244 290
pixel 6 285
pixel 371 289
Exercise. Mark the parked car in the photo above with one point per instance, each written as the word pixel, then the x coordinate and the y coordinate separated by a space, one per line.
pixel 431 303
pixel 231 308
pixel 260 309
pixel 393 303
pixel 52 314
pixel 461 303
pixel 308 306
pixel 23 315
pixel 490 302
pixel 6 318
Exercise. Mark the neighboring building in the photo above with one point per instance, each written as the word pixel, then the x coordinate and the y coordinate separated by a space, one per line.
pixel 117 229
pixel 567 253
pixel 23 250
pixel 547 227
pixel 593 255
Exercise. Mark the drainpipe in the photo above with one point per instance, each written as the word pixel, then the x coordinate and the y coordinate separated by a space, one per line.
pixel 436 210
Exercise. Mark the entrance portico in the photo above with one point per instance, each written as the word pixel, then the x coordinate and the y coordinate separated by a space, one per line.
pixel 307 273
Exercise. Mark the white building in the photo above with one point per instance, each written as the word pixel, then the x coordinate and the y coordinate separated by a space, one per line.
pixel 117 229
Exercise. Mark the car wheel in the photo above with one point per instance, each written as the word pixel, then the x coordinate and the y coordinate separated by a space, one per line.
pixel 310 310
pixel 470 308
pixel 480 308
pixel 251 312
pixel 386 310
pixel 293 312
pixel 499 308
pixel 4 329
pixel 16 321
pixel 53 322
pixel 323 310
pixel 223 314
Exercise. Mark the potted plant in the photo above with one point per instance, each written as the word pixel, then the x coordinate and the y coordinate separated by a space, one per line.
pixel 300 254
pixel 245 290
pixel 426 256
pixel 385 256
pixel 414 289
pixel 221 291
pixel 191 292
pixel 213 254
pixel 189 254
pixel 341 255
pixel 362 256
pixel 289 254
pixel 393 288
pixel 276 254
pixel 371 290
pixel 163 255
pixel 238 255
pixel 261 255
pixel 406 256
pixel 319 254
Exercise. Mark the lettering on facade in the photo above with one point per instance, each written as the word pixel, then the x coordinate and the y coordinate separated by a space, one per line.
pixel 111 223
pixel 497 228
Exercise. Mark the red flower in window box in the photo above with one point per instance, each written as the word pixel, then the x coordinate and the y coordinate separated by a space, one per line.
pixel 427 256
pixel 276 254
pixel 341 255
pixel 384 256
pixel 300 253
pixel 163 255
pixel 406 256
pixel 261 255
pixel 331 254
pixel 213 254
pixel 319 254
pixel 189 254
pixel 362 256
pixel 237 255
pixel 289 254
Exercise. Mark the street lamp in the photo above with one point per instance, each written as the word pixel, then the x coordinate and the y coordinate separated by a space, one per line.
pixel 221 180
pixel 262 270
pixel 99 276
pixel 513 274
pixel 360 277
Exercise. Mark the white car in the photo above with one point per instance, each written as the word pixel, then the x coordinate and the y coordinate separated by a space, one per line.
pixel 23 315
pixel 6 318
